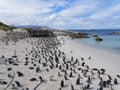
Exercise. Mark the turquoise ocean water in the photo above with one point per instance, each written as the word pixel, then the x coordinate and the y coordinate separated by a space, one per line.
pixel 110 43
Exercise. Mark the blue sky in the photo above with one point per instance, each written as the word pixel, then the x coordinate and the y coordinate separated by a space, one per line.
pixel 62 14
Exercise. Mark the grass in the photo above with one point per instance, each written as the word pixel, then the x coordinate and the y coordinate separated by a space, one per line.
pixel 6 27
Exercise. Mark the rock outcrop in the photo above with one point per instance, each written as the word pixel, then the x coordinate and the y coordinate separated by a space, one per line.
pixel 41 33
pixel 98 39
pixel 79 35
pixel 118 33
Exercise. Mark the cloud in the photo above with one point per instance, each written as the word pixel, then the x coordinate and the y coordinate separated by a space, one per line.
pixel 61 13
pixel 79 9
pixel 20 7
pixel 108 12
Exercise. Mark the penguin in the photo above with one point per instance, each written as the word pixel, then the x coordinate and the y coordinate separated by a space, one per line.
pixel 20 74
pixel 62 83
pixel 18 83
pixel 78 81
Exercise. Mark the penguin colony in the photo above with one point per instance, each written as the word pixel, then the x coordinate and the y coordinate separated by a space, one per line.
pixel 45 67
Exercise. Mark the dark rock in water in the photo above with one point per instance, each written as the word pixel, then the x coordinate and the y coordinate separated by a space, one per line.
pixel 117 33
pixel 33 79
pixel 95 35
pixel 79 35
pixel 20 74
pixel 9 69
pixel 98 39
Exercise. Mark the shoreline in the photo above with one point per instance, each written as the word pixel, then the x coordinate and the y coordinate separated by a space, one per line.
pixel 101 49
pixel 97 54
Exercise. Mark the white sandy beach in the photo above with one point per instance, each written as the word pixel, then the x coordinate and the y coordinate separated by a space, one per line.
pixel 98 60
